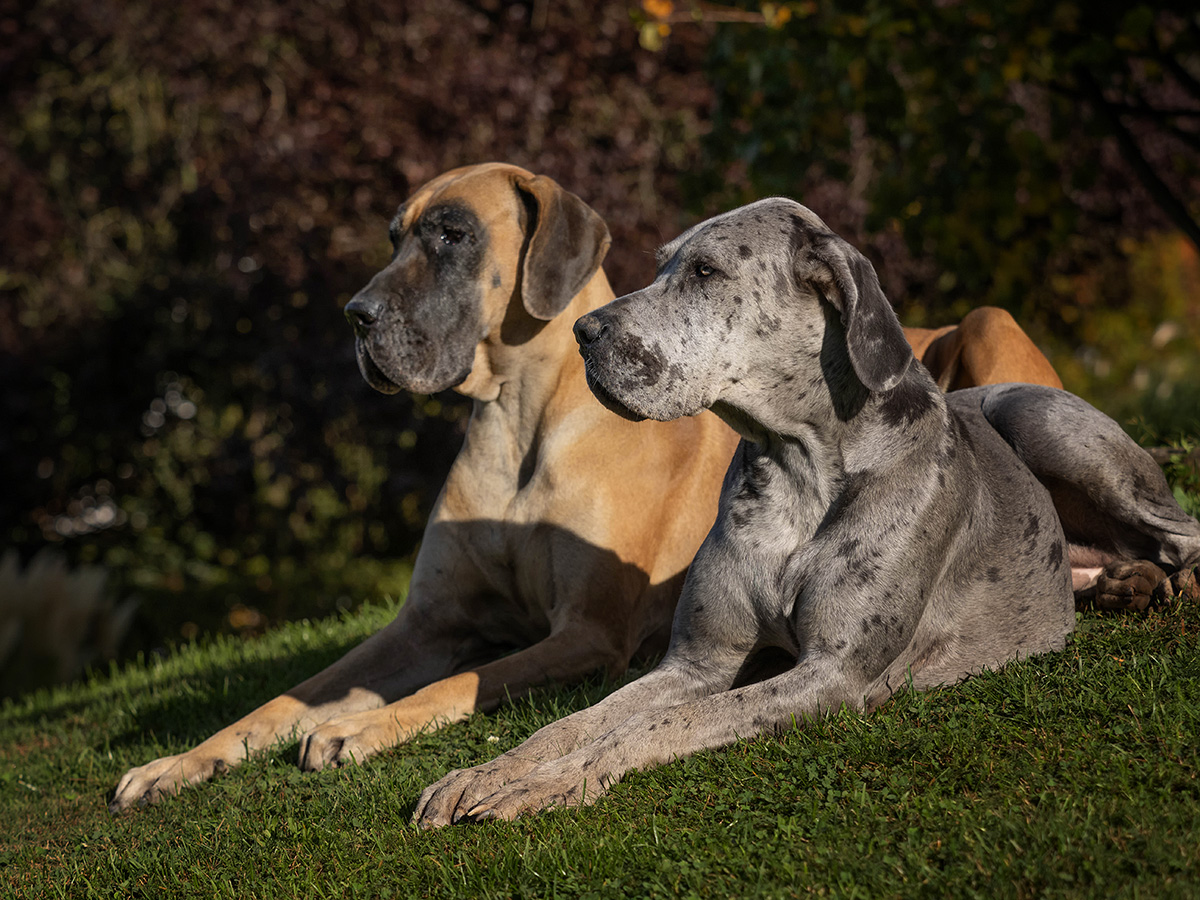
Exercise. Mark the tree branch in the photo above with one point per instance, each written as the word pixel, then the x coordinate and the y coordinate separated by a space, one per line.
pixel 1178 70
pixel 1155 186
pixel 1190 138
pixel 1144 110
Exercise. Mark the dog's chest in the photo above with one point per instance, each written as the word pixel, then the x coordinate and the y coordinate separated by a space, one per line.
pixel 771 502
pixel 769 509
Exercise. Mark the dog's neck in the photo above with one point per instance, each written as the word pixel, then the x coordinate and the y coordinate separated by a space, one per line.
pixel 528 372
pixel 875 431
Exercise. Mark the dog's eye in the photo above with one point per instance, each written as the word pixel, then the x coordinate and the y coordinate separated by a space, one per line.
pixel 703 270
pixel 452 235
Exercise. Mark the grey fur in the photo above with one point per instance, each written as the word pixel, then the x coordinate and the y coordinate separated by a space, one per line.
pixel 417 322
pixel 873 533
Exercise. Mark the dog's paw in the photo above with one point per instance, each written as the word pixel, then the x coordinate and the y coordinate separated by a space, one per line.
pixel 148 784
pixel 448 800
pixel 349 739
pixel 1182 585
pixel 1134 585
pixel 556 784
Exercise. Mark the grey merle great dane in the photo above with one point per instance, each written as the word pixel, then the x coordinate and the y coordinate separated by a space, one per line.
pixel 872 532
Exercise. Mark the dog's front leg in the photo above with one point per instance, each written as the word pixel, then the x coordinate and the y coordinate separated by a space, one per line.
pixel 413 650
pixel 456 794
pixel 652 737
pixel 573 651
pixel 711 644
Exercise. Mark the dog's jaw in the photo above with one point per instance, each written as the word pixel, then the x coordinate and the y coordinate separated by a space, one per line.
pixel 386 383
pixel 371 373
pixel 610 402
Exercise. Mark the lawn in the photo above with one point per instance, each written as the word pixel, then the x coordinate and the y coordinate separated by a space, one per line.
pixel 1068 775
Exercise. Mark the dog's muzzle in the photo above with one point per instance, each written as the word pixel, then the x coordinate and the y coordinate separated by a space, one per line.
pixel 592 333
pixel 362 312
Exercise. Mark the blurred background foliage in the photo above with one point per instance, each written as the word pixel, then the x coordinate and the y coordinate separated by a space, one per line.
pixel 192 193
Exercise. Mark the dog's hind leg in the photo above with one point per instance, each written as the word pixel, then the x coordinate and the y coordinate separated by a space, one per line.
pixel 1125 528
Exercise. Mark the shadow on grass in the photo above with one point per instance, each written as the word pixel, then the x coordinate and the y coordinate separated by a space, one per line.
pixel 439 631
pixel 222 691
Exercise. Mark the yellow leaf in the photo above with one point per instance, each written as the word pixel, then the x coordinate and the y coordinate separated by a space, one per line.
pixel 649 37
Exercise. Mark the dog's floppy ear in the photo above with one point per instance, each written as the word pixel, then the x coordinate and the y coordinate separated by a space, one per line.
pixel 878 349
pixel 567 242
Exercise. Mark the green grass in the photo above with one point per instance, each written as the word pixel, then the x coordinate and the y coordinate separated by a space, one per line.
pixel 1068 775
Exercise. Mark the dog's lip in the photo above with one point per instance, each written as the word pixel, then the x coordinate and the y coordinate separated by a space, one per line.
pixel 611 403
pixel 374 375
pixel 371 372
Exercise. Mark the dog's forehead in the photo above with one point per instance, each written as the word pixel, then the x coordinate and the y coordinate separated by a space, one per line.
pixel 763 222
pixel 486 188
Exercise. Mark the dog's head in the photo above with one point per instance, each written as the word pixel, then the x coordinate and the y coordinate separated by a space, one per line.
pixel 761 303
pixel 471 249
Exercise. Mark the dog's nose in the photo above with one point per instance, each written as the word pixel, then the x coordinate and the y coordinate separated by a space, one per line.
pixel 362 312
pixel 589 329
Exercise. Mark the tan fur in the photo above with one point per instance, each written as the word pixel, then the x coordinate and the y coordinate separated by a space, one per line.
pixel 986 347
pixel 562 529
